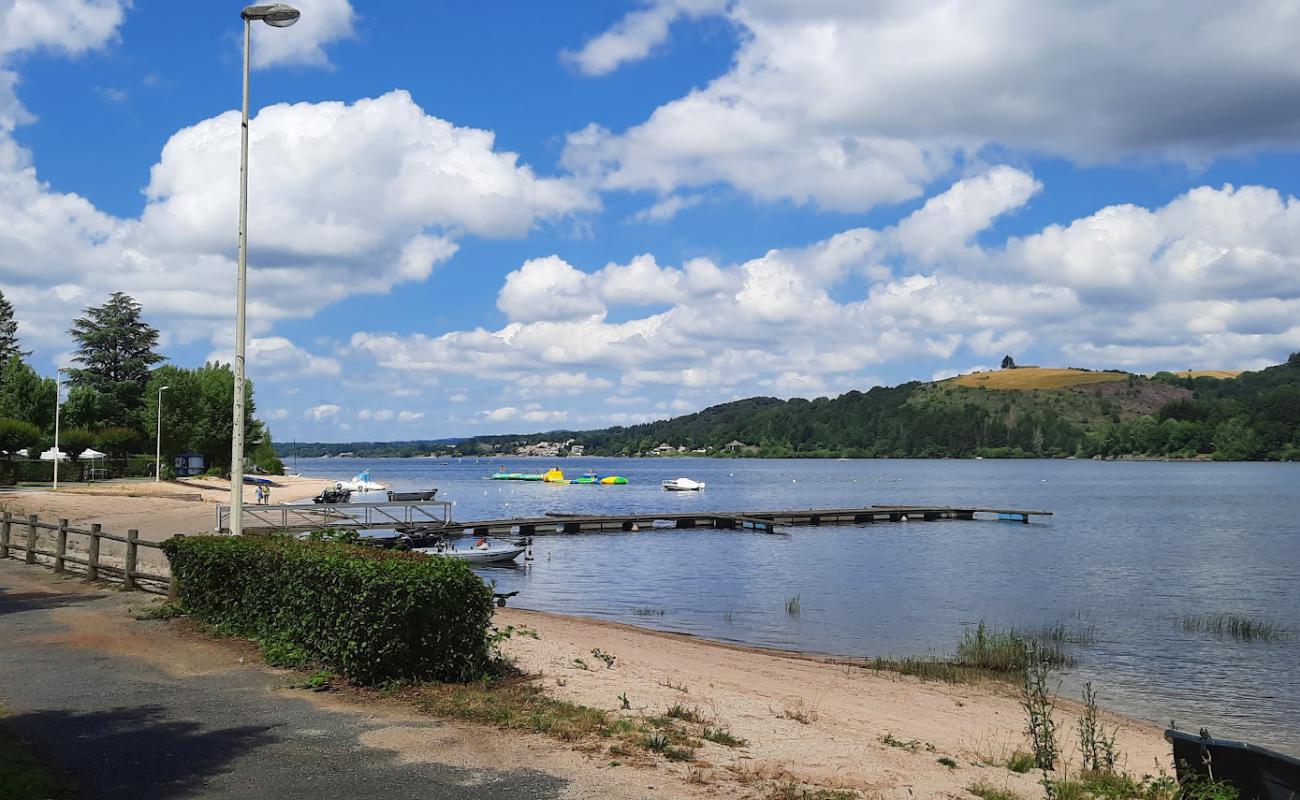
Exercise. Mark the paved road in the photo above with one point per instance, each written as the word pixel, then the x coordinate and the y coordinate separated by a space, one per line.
pixel 128 729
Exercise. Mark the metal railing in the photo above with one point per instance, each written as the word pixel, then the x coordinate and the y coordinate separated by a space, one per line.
pixel 321 516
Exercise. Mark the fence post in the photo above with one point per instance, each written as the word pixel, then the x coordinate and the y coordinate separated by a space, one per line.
pixel 31 539
pixel 92 557
pixel 61 545
pixel 4 534
pixel 173 586
pixel 128 579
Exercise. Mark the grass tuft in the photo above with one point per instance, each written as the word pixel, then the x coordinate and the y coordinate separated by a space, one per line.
pixel 160 611
pixel 1005 651
pixel 793 606
pixel 646 611
pixel 987 791
pixel 1232 626
pixel 723 737
pixel 790 790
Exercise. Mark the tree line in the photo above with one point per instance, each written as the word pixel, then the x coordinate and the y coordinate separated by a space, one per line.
pixel 1255 416
pixel 111 400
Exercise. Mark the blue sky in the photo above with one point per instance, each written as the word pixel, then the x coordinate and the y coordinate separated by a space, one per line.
pixel 525 216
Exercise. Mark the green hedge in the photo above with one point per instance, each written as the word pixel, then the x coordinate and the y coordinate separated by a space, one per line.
pixel 372 615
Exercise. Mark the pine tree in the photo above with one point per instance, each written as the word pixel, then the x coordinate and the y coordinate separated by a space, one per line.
pixel 116 353
pixel 9 332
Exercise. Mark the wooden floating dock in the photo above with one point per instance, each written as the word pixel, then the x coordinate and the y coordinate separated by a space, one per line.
pixel 758 521
pixel 431 520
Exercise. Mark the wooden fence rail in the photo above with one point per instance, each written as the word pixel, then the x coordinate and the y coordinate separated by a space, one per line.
pixel 95 568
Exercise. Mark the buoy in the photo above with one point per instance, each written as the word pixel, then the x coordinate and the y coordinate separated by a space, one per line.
pixel 904 518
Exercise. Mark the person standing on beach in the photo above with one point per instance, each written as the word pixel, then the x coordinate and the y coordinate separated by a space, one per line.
pixel 266 495
pixel 259 494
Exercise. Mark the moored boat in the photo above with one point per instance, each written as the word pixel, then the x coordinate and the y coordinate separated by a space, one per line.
pixel 489 554
pixel 683 485
pixel 1255 772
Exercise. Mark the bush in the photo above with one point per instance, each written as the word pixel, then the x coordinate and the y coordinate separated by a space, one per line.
pixel 372 615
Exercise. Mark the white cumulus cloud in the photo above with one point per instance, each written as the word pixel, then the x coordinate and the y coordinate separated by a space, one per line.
pixel 847 105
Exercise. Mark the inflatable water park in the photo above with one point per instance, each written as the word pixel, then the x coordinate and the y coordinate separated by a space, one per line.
pixel 554 475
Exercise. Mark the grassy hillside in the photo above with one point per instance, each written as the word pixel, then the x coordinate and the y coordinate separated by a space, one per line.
pixel 1016 412
pixel 1025 378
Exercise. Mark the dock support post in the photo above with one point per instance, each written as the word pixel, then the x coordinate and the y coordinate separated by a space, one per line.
pixel 31 539
pixel 61 545
pixel 92 554
pixel 5 527
pixel 128 577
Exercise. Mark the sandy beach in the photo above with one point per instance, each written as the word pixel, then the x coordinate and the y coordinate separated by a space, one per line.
pixel 808 719
pixel 812 720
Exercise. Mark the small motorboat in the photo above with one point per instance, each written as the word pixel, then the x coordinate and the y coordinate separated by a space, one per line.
pixel 332 496
pixel 481 553
pixel 411 497
pixel 1254 772
pixel 683 485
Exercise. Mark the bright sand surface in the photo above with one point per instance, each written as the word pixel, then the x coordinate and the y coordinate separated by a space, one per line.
pixel 804 718
pixel 760 696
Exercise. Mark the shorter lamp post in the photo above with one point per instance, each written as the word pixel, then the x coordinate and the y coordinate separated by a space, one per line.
pixel 157 466
pixel 58 399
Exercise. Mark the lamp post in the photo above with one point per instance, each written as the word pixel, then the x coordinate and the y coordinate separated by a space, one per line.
pixel 277 15
pixel 157 465
pixel 58 392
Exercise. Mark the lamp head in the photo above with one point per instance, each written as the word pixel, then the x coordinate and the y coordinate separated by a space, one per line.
pixel 163 388
pixel 277 15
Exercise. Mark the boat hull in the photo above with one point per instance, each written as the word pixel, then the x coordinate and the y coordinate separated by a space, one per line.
pixel 1255 772
pixel 501 555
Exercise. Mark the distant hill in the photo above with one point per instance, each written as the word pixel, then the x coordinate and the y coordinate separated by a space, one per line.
pixel 1209 373
pixel 408 449
pixel 1019 412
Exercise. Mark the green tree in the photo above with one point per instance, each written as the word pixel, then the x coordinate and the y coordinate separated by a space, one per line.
pixel 74 441
pixel 24 395
pixel 9 332
pixel 196 412
pixel 115 354
pixel 117 442
pixel 16 434
pixel 264 457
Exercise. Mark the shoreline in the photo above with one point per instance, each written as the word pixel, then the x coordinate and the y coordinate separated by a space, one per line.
pixel 815 718
pixel 808 718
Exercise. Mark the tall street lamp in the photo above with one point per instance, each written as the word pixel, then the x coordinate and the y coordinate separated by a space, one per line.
pixel 157 464
pixel 277 15
pixel 58 392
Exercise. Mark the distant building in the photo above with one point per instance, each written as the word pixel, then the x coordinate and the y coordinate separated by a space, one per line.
pixel 736 444
pixel 188 465
pixel 576 449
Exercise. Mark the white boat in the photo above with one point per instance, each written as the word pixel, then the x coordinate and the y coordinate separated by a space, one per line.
pixel 477 555
pixel 683 485
pixel 363 490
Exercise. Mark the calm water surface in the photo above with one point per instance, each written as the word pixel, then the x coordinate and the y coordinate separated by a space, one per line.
pixel 1132 548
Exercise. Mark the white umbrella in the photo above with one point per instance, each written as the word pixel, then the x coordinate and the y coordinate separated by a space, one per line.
pixel 51 454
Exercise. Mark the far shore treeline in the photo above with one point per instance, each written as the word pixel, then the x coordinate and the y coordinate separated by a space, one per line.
pixel 1255 416
pixel 110 402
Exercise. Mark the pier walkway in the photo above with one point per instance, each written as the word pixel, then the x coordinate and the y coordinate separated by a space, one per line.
pixel 432 519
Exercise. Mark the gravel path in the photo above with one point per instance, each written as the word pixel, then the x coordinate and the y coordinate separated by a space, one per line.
pixel 129 726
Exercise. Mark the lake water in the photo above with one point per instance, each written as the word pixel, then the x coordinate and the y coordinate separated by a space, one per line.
pixel 1131 549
